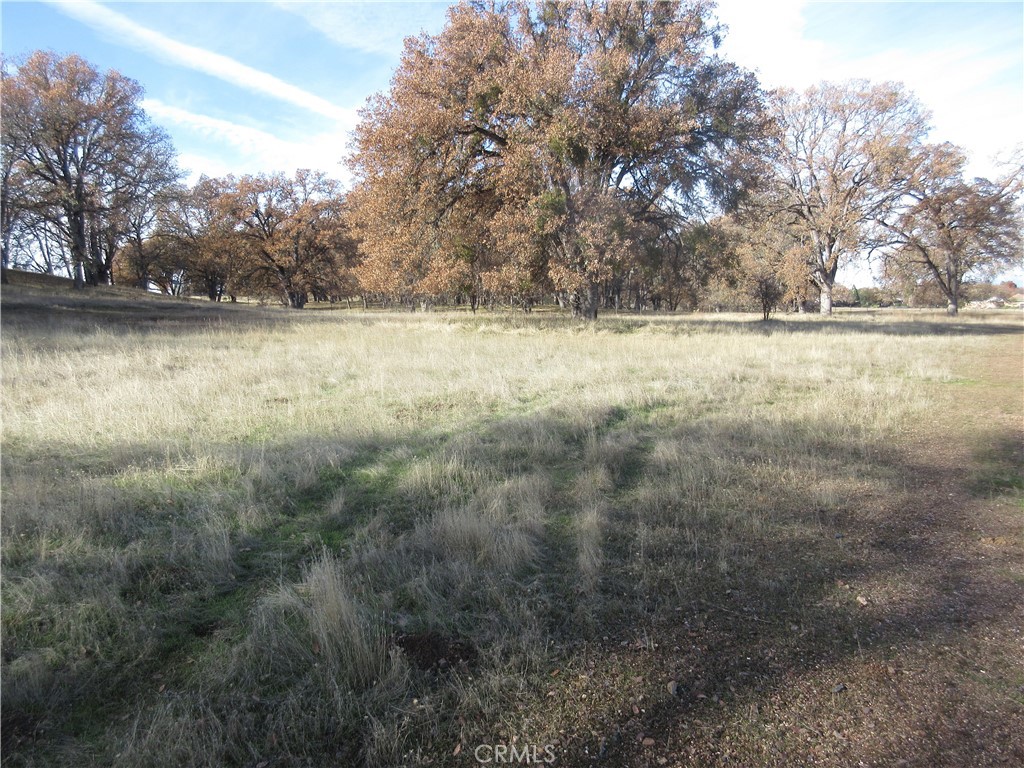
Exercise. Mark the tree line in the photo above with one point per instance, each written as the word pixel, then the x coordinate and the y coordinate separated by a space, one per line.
pixel 597 155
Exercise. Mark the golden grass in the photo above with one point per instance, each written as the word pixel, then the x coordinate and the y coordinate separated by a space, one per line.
pixel 216 535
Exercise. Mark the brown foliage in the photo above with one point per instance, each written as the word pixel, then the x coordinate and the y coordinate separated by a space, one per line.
pixel 841 156
pixel 533 148
pixel 88 162
pixel 289 232
pixel 952 228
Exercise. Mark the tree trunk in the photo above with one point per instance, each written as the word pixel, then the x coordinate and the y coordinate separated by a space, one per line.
pixel 825 306
pixel 79 246
pixel 590 302
pixel 953 295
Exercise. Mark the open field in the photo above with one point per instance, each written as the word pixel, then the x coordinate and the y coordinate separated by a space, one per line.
pixel 237 536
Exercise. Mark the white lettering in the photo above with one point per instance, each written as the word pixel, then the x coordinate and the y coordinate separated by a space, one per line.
pixel 484 748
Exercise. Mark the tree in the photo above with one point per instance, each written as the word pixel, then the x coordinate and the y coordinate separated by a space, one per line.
pixel 572 131
pixel 770 259
pixel 951 229
pixel 676 266
pixel 841 155
pixel 147 182
pixel 88 151
pixel 15 194
pixel 199 240
pixel 12 207
pixel 289 230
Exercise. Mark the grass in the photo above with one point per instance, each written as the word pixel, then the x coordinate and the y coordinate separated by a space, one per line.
pixel 236 536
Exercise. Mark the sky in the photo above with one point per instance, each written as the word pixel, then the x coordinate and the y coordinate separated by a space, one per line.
pixel 247 87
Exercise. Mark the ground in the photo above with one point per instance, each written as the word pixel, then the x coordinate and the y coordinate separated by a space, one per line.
pixel 912 655
pixel 248 536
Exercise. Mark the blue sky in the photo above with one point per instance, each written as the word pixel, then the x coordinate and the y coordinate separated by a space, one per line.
pixel 244 87
pixel 250 86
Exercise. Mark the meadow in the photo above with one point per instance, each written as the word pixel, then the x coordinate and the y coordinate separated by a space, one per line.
pixel 254 537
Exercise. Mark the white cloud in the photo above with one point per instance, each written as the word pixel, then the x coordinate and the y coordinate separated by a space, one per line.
pixel 248 150
pixel 379 28
pixel 148 41
pixel 769 39
pixel 959 83
pixel 968 106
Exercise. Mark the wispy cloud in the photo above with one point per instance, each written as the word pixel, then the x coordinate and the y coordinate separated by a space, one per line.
pixel 250 150
pixel 379 28
pixel 216 65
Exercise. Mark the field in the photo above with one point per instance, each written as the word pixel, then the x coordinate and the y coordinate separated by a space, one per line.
pixel 252 537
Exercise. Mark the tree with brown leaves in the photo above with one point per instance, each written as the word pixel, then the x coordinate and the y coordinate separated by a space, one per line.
pixel 289 230
pixel 543 142
pixel 951 229
pixel 841 154
pixel 90 157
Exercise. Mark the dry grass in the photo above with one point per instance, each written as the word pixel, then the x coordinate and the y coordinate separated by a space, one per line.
pixel 246 537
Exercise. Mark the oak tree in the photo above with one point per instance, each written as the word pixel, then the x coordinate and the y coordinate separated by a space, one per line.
pixel 89 153
pixel 951 229
pixel 841 154
pixel 198 240
pixel 566 130
pixel 289 230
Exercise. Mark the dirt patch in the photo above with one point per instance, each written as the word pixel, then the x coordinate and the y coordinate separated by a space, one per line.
pixel 432 651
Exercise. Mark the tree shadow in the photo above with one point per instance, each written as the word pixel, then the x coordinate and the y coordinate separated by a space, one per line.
pixel 733 558
pixel 885 322
pixel 119 310
pixel 127 310
pixel 894 574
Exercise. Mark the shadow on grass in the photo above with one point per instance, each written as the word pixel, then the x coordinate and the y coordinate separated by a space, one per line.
pixel 103 308
pixel 721 551
pixel 120 310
